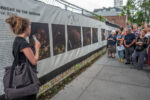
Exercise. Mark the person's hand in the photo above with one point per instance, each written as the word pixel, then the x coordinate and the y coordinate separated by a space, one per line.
pixel 110 39
pixel 37 45
pixel 127 46
pixel 140 43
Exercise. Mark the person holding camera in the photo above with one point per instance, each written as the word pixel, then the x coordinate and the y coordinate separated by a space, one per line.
pixel 23 53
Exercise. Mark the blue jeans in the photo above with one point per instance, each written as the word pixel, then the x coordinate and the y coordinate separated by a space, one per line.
pixel 121 54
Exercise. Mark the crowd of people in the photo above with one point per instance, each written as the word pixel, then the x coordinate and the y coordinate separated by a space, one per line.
pixel 131 44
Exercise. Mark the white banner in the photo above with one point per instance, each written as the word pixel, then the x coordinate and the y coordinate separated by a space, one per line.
pixel 65 36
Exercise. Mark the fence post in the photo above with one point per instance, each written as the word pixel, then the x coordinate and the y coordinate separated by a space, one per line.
pixel 66 7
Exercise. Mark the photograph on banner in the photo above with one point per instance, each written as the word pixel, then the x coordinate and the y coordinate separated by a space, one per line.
pixel 86 36
pixel 41 32
pixel 59 42
pixel 95 35
pixel 103 34
pixel 74 37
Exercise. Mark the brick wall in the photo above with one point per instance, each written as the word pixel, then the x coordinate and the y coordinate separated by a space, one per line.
pixel 120 20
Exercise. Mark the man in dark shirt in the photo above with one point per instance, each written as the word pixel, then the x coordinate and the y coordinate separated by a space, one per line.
pixel 129 42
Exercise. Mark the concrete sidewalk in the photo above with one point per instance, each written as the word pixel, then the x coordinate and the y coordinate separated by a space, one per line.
pixel 108 79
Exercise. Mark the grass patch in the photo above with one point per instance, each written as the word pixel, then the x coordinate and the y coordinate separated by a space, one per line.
pixel 56 88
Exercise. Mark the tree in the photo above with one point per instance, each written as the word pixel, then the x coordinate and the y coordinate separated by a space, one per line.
pixel 137 11
pixel 98 17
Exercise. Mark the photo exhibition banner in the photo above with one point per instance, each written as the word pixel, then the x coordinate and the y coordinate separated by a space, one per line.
pixel 64 35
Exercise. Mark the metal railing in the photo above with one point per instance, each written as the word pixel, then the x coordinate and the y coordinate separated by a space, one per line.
pixel 74 8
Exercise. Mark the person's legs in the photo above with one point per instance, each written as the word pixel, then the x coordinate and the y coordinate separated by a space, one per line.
pixel 113 51
pixel 131 50
pixel 141 59
pixel 124 53
pixel 119 55
pixel 134 55
pixel 127 55
pixel 109 53
pixel 146 56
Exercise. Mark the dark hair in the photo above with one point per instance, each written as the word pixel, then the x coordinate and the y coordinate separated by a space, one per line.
pixel 129 30
pixel 18 24
pixel 121 29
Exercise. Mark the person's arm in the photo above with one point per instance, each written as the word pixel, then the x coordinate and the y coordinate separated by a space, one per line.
pixel 30 55
pixel 132 42
pixel 118 39
pixel 110 39
pixel 122 41
pixel 125 43
pixel 145 43
pixel 148 40
pixel 138 43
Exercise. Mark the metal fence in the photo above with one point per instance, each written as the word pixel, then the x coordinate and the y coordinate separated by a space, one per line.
pixel 74 8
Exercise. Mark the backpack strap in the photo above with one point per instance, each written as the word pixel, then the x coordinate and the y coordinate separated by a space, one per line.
pixel 15 63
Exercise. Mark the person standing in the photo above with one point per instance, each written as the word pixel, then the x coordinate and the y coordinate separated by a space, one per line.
pixel 21 28
pixel 144 25
pixel 124 31
pixel 120 47
pixel 136 31
pixel 148 49
pixel 112 44
pixel 129 41
pixel 140 48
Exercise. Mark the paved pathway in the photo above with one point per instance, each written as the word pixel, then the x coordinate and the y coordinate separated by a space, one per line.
pixel 108 79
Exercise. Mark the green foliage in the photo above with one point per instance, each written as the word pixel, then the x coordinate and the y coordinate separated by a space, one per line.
pixel 98 17
pixel 137 11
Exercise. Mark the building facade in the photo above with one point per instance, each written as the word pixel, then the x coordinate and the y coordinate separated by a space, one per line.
pixel 118 3
pixel 112 14
pixel 111 11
